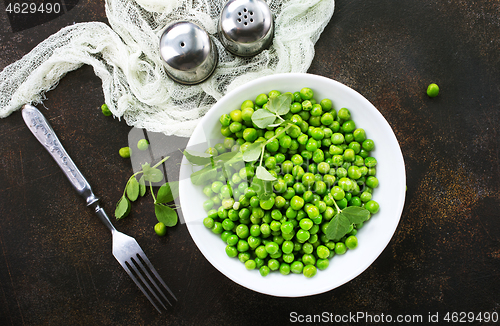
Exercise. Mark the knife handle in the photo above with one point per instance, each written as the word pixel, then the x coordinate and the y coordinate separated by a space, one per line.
pixel 42 130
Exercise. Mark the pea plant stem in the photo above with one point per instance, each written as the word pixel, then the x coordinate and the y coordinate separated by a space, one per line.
pixel 337 206
pixel 161 162
pixel 273 138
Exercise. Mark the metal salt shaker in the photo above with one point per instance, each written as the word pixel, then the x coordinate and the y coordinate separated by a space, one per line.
pixel 188 52
pixel 246 27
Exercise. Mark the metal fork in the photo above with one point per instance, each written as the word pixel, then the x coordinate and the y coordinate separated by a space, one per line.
pixel 125 248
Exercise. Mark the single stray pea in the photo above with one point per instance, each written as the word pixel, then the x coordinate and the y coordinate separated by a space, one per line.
pixel 160 229
pixel 105 110
pixel 124 152
pixel 432 90
pixel 142 144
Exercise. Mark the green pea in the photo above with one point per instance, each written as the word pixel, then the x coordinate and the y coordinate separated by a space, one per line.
pixel 288 258
pixel 160 229
pixel 105 110
pixel 432 90
pixel 274 93
pixel 231 251
pixel 354 172
pixel 284 268
pixel 208 204
pixel 142 144
pixel 372 206
pixel 246 113
pixel 286 167
pixel 370 162
pixel 351 242
pixel 275 226
pixel 124 152
pixel 235 127
pixel 296 267
pixel 306 93
pixel 287 227
pixel 368 145
pixel 365 196
pixel 267 204
pixel 294 132
pixel 335 126
pixel 349 155
pixel 299 188
pixel 372 182
pixel 264 271
pixel 348 127
pixel 217 228
pixel 359 135
pixel 244 256
pixel 242 231
pixel 296 203
pixel 250 134
pixel 318 156
pixel 225 120
pixel 302 235
pixel 272 247
pixel 337 138
pixel 280 158
pixel 242 246
pixel 322 252
pixel 344 114
pixel 340 248
pixel 326 104
pixel 261 99
pixel 273 264
pixel 316 110
pixel 287 247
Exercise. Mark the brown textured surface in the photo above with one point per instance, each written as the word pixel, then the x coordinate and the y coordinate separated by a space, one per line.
pixel 56 266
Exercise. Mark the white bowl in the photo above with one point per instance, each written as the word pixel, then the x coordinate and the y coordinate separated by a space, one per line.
pixel 372 238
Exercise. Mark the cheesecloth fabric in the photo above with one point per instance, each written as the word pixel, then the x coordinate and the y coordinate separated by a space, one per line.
pixel 126 58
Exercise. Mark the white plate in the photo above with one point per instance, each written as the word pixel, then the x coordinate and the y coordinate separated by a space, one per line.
pixel 372 238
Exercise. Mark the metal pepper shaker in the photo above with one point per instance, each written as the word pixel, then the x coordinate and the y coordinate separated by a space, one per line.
pixel 246 27
pixel 188 52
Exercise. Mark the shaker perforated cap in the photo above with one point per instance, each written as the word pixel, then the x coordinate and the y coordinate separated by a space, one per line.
pixel 188 52
pixel 246 27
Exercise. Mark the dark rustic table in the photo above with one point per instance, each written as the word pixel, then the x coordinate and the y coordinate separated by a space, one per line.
pixel 56 266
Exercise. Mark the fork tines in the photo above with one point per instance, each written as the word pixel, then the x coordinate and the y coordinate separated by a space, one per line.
pixel 145 276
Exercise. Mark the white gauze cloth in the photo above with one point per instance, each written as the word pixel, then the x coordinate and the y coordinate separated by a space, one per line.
pixel 126 58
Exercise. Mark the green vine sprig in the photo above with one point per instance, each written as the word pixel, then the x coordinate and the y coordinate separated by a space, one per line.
pixel 134 189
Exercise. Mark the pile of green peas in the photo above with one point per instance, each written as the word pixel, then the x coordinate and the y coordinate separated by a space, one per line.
pixel 322 162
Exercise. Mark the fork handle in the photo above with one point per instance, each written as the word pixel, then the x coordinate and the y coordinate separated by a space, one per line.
pixel 42 130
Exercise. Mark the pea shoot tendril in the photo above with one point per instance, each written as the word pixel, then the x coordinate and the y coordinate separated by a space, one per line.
pixel 165 212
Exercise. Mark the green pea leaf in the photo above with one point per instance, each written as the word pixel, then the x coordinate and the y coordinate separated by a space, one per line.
pixel 236 162
pixel 356 214
pixel 166 215
pixel 133 189
pixel 338 227
pixel 197 158
pixel 122 208
pixel 263 118
pixel 225 157
pixel 252 152
pixel 151 174
pixel 281 104
pixel 202 176
pixel 263 174
pixel 237 158
pixel 142 186
pixel 168 192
